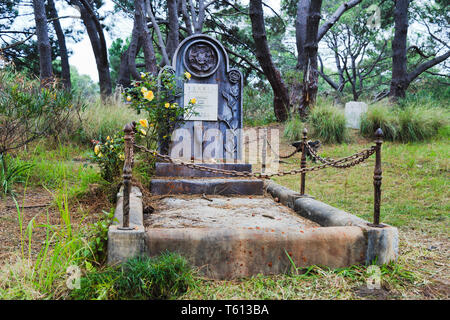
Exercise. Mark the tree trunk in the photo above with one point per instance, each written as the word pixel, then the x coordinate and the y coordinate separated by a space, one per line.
pixel 280 91
pixel 399 81
pixel 65 67
pixel 123 78
pixel 45 51
pixel 300 31
pixel 310 70
pixel 97 38
pixel 173 36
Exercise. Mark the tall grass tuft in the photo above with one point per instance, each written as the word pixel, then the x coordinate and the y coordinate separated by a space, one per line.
pixel 102 119
pixel 293 128
pixel 410 123
pixel 328 124
pixel 379 116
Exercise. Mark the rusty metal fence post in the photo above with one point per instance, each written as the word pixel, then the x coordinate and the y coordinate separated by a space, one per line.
pixel 377 177
pixel 127 173
pixel 303 162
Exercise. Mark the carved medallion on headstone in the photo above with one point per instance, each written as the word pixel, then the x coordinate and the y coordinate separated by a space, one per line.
pixel 201 59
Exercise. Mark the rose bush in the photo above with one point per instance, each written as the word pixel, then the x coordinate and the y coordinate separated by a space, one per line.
pixel 155 97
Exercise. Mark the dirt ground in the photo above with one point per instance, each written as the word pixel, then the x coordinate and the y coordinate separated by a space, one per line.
pixel 39 204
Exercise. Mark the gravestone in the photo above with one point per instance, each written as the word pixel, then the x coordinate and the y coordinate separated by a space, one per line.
pixel 353 112
pixel 215 131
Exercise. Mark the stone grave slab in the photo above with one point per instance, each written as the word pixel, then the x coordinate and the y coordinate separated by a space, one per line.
pixel 353 112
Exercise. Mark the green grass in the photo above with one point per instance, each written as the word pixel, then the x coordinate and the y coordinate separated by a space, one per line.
pixel 405 124
pixel 325 122
pixel 164 277
pixel 54 165
pixel 414 185
pixel 100 120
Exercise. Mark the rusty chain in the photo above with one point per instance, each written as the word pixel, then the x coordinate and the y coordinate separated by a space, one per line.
pixel 333 163
pixel 340 163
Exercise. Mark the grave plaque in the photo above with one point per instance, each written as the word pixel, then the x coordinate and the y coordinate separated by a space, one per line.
pixel 206 96
pixel 214 132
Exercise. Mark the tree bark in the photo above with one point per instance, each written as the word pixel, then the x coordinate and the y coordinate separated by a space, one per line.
pixel 300 31
pixel 280 91
pixel 97 38
pixel 65 67
pixel 45 52
pixel 141 37
pixel 162 46
pixel 174 28
pixel 399 81
pixel 310 71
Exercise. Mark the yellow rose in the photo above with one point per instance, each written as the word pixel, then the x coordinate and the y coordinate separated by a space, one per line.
pixel 193 101
pixel 144 123
pixel 187 75
pixel 144 90
pixel 167 105
pixel 149 95
pixel 97 149
pixel 128 98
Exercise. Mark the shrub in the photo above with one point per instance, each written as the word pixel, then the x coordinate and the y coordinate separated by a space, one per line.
pixel 155 97
pixel 405 124
pixel 110 156
pixel 163 277
pixel 258 107
pixel 379 116
pixel 293 128
pixel 28 112
pixel 328 124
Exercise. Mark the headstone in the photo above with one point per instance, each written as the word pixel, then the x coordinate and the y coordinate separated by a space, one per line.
pixel 215 131
pixel 353 113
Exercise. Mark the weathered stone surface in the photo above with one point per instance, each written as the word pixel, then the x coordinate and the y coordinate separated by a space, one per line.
pixel 207 61
pixel 207 186
pixel 228 253
pixel 136 217
pixel 125 244
pixel 165 169
pixel 353 112
pixel 254 212
pixel 382 243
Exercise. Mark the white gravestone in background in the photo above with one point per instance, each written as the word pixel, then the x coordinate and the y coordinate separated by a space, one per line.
pixel 353 113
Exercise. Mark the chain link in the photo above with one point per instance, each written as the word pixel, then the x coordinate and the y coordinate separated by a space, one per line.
pixel 340 163
pixel 363 155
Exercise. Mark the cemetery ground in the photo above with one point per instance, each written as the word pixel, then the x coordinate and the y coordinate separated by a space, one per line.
pixel 65 192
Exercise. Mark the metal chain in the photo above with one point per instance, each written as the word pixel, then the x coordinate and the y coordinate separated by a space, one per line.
pixel 334 163
pixel 283 157
pixel 359 157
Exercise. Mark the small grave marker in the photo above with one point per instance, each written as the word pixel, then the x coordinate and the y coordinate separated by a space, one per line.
pixel 353 113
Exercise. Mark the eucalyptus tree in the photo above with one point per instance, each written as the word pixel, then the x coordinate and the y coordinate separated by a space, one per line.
pixel 434 16
pixel 45 52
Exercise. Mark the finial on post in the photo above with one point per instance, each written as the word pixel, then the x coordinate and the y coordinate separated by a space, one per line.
pixel 379 134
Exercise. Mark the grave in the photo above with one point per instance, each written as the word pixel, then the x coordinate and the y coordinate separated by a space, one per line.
pixel 353 112
pixel 232 227
pixel 214 134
